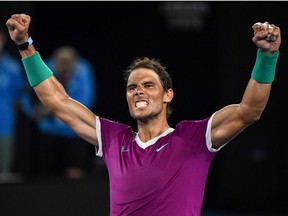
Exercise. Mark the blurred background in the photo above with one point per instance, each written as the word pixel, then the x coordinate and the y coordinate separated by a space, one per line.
pixel 207 47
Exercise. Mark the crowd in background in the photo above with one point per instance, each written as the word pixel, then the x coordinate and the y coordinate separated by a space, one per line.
pixel 34 143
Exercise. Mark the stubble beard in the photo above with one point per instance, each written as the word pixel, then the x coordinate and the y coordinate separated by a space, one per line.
pixel 146 118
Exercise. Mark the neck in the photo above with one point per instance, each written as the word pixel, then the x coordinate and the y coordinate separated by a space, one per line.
pixel 151 129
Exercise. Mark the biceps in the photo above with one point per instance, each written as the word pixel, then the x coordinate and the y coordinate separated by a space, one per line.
pixel 227 123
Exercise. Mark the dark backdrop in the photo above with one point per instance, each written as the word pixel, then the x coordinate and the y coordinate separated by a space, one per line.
pixel 207 48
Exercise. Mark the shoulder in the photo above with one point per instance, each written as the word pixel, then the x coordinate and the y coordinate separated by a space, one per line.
pixel 192 128
pixel 187 124
pixel 112 125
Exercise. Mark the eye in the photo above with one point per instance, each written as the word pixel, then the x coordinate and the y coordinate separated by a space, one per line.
pixel 148 85
pixel 131 88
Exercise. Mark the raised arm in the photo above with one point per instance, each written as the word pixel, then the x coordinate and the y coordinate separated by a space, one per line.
pixel 49 90
pixel 229 121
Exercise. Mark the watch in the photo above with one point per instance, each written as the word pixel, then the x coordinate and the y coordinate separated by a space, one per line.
pixel 24 46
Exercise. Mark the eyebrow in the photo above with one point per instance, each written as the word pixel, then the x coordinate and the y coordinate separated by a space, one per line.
pixel 142 83
pixel 148 82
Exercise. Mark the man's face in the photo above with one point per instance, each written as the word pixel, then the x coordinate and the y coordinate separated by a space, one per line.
pixel 145 95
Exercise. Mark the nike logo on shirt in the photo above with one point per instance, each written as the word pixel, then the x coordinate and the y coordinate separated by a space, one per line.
pixel 160 148
pixel 123 149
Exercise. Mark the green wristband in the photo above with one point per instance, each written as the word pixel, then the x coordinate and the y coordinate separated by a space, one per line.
pixel 265 67
pixel 37 71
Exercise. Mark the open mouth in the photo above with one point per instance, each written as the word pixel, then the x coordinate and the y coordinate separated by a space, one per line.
pixel 141 104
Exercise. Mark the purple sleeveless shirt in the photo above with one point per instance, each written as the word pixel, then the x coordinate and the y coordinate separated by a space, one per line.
pixel 167 178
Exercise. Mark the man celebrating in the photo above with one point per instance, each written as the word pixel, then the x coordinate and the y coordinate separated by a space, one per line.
pixel 157 170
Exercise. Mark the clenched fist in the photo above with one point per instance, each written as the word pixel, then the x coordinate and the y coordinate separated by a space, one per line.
pixel 18 26
pixel 266 37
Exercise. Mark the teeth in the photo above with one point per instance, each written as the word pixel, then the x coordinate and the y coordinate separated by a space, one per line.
pixel 141 104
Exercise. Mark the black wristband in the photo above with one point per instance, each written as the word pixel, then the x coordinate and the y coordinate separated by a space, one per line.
pixel 24 46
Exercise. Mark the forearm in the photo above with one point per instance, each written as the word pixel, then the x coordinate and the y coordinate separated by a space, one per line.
pixel 254 100
pixel 258 89
pixel 51 93
pixel 80 119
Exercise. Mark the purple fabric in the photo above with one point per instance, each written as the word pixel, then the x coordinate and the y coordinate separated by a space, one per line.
pixel 169 181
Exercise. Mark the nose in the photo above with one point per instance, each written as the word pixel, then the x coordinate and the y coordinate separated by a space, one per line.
pixel 139 91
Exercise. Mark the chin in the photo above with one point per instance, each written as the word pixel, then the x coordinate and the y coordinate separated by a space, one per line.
pixel 141 117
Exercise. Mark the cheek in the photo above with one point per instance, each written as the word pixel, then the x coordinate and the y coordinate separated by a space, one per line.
pixel 129 99
pixel 128 96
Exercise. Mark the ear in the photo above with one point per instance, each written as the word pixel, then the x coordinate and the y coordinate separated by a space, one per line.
pixel 168 96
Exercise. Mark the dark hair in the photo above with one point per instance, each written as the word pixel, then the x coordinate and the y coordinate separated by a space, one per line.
pixel 158 68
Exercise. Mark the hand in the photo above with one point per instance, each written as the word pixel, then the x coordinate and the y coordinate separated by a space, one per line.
pixel 18 26
pixel 267 37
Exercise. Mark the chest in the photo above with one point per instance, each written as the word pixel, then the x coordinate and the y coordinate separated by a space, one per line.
pixel 154 164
